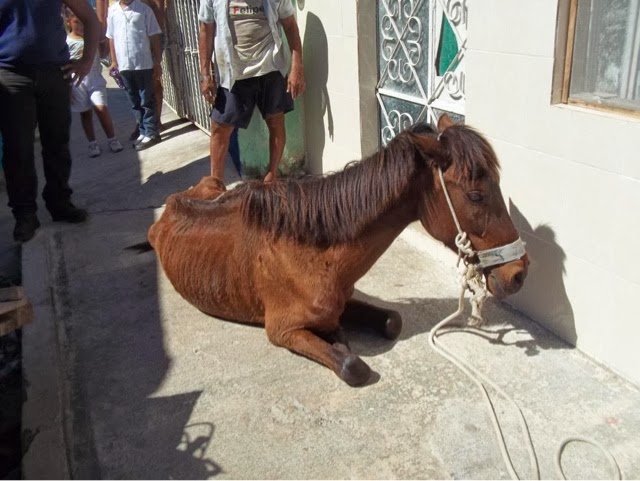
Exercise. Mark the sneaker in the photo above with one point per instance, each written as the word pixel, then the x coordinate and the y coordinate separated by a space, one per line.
pixel 26 226
pixel 135 133
pixel 147 142
pixel 68 213
pixel 138 139
pixel 94 149
pixel 115 145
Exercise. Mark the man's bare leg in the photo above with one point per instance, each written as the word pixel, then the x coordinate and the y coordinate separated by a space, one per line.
pixel 277 139
pixel 218 147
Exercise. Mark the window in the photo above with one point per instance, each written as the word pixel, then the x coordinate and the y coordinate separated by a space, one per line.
pixel 602 67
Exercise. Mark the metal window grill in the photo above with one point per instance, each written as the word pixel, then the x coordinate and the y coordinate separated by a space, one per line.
pixel 181 64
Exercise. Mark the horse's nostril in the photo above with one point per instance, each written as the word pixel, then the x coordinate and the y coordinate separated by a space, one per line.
pixel 518 279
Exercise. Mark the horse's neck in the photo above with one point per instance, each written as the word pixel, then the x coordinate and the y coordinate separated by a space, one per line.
pixel 383 230
pixel 376 238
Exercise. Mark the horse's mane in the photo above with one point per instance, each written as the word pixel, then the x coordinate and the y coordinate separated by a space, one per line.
pixel 335 208
pixel 469 152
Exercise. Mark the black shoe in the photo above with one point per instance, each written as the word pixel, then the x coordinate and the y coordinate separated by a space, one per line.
pixel 147 142
pixel 26 226
pixel 68 213
pixel 135 134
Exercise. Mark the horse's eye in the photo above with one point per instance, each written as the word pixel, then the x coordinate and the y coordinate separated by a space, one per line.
pixel 475 197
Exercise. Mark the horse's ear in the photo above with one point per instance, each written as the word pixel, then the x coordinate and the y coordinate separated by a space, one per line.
pixel 444 122
pixel 434 151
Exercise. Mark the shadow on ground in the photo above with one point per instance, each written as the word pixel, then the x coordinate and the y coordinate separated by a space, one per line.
pixel 119 359
pixel 420 315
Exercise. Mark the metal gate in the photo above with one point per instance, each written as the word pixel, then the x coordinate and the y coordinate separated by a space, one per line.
pixel 181 63
pixel 421 48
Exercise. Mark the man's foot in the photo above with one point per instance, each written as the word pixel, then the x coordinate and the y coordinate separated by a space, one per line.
pixel 134 135
pixel 270 177
pixel 26 226
pixel 94 149
pixel 115 145
pixel 68 213
pixel 147 142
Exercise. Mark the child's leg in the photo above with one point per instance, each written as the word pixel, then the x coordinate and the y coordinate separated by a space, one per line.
pixel 102 112
pixel 148 103
pixel 130 80
pixel 86 118
pixel 99 101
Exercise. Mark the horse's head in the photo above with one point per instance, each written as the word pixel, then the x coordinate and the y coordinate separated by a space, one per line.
pixel 470 170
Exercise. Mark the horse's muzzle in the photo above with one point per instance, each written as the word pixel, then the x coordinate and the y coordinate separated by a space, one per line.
pixel 507 279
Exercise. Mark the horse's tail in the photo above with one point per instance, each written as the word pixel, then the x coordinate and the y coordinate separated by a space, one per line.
pixel 140 248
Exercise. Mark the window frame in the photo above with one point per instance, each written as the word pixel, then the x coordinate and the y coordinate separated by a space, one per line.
pixel 565 43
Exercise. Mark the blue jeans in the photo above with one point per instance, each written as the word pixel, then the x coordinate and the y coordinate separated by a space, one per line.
pixel 139 87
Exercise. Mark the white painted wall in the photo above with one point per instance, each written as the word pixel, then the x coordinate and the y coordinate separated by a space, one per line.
pixel 328 29
pixel 572 176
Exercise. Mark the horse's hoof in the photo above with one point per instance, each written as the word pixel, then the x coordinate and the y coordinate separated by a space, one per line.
pixel 393 326
pixel 342 347
pixel 355 371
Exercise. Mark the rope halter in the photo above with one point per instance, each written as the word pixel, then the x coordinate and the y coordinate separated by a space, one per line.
pixel 471 273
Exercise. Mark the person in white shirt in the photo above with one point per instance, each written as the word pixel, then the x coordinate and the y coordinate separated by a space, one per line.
pixel 252 67
pixel 91 94
pixel 134 42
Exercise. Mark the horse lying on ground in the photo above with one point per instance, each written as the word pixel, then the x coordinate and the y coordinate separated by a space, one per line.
pixel 286 255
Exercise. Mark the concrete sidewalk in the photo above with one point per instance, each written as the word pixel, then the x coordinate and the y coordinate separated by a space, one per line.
pixel 127 380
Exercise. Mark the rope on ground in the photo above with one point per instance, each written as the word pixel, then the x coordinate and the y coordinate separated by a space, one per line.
pixel 471 280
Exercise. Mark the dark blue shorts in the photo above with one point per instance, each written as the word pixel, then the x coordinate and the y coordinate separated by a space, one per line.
pixel 268 92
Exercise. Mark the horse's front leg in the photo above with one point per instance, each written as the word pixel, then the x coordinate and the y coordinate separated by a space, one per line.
pixel 384 321
pixel 349 367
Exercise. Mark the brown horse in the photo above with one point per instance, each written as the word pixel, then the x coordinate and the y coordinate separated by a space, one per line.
pixel 286 255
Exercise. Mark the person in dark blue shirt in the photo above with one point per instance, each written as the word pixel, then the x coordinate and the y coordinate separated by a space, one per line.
pixel 35 72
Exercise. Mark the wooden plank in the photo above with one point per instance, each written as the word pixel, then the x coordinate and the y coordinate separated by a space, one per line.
pixel 568 60
pixel 604 108
pixel 11 293
pixel 16 319
pixel 11 305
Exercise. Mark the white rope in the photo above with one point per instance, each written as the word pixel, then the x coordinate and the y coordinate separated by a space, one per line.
pixel 481 381
pixel 471 279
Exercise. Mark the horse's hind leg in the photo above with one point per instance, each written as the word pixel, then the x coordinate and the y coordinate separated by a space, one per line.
pixel 385 321
pixel 349 367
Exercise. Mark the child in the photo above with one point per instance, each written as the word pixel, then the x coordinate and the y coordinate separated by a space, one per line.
pixel 91 94
pixel 134 41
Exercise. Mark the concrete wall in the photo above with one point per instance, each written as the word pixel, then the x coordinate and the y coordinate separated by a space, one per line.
pixel 332 113
pixel 572 177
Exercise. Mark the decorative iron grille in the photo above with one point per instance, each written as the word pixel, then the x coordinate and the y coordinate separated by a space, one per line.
pixel 421 45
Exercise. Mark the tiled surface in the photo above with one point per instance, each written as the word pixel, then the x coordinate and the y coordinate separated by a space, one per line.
pixel 576 201
pixel 515 106
pixel 336 157
pixel 591 298
pixel 506 95
pixel 570 175
pixel 349 24
pixel 346 123
pixel 526 28
pixel 626 230
pixel 333 30
pixel 343 65
pixel 544 295
pixel 619 335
